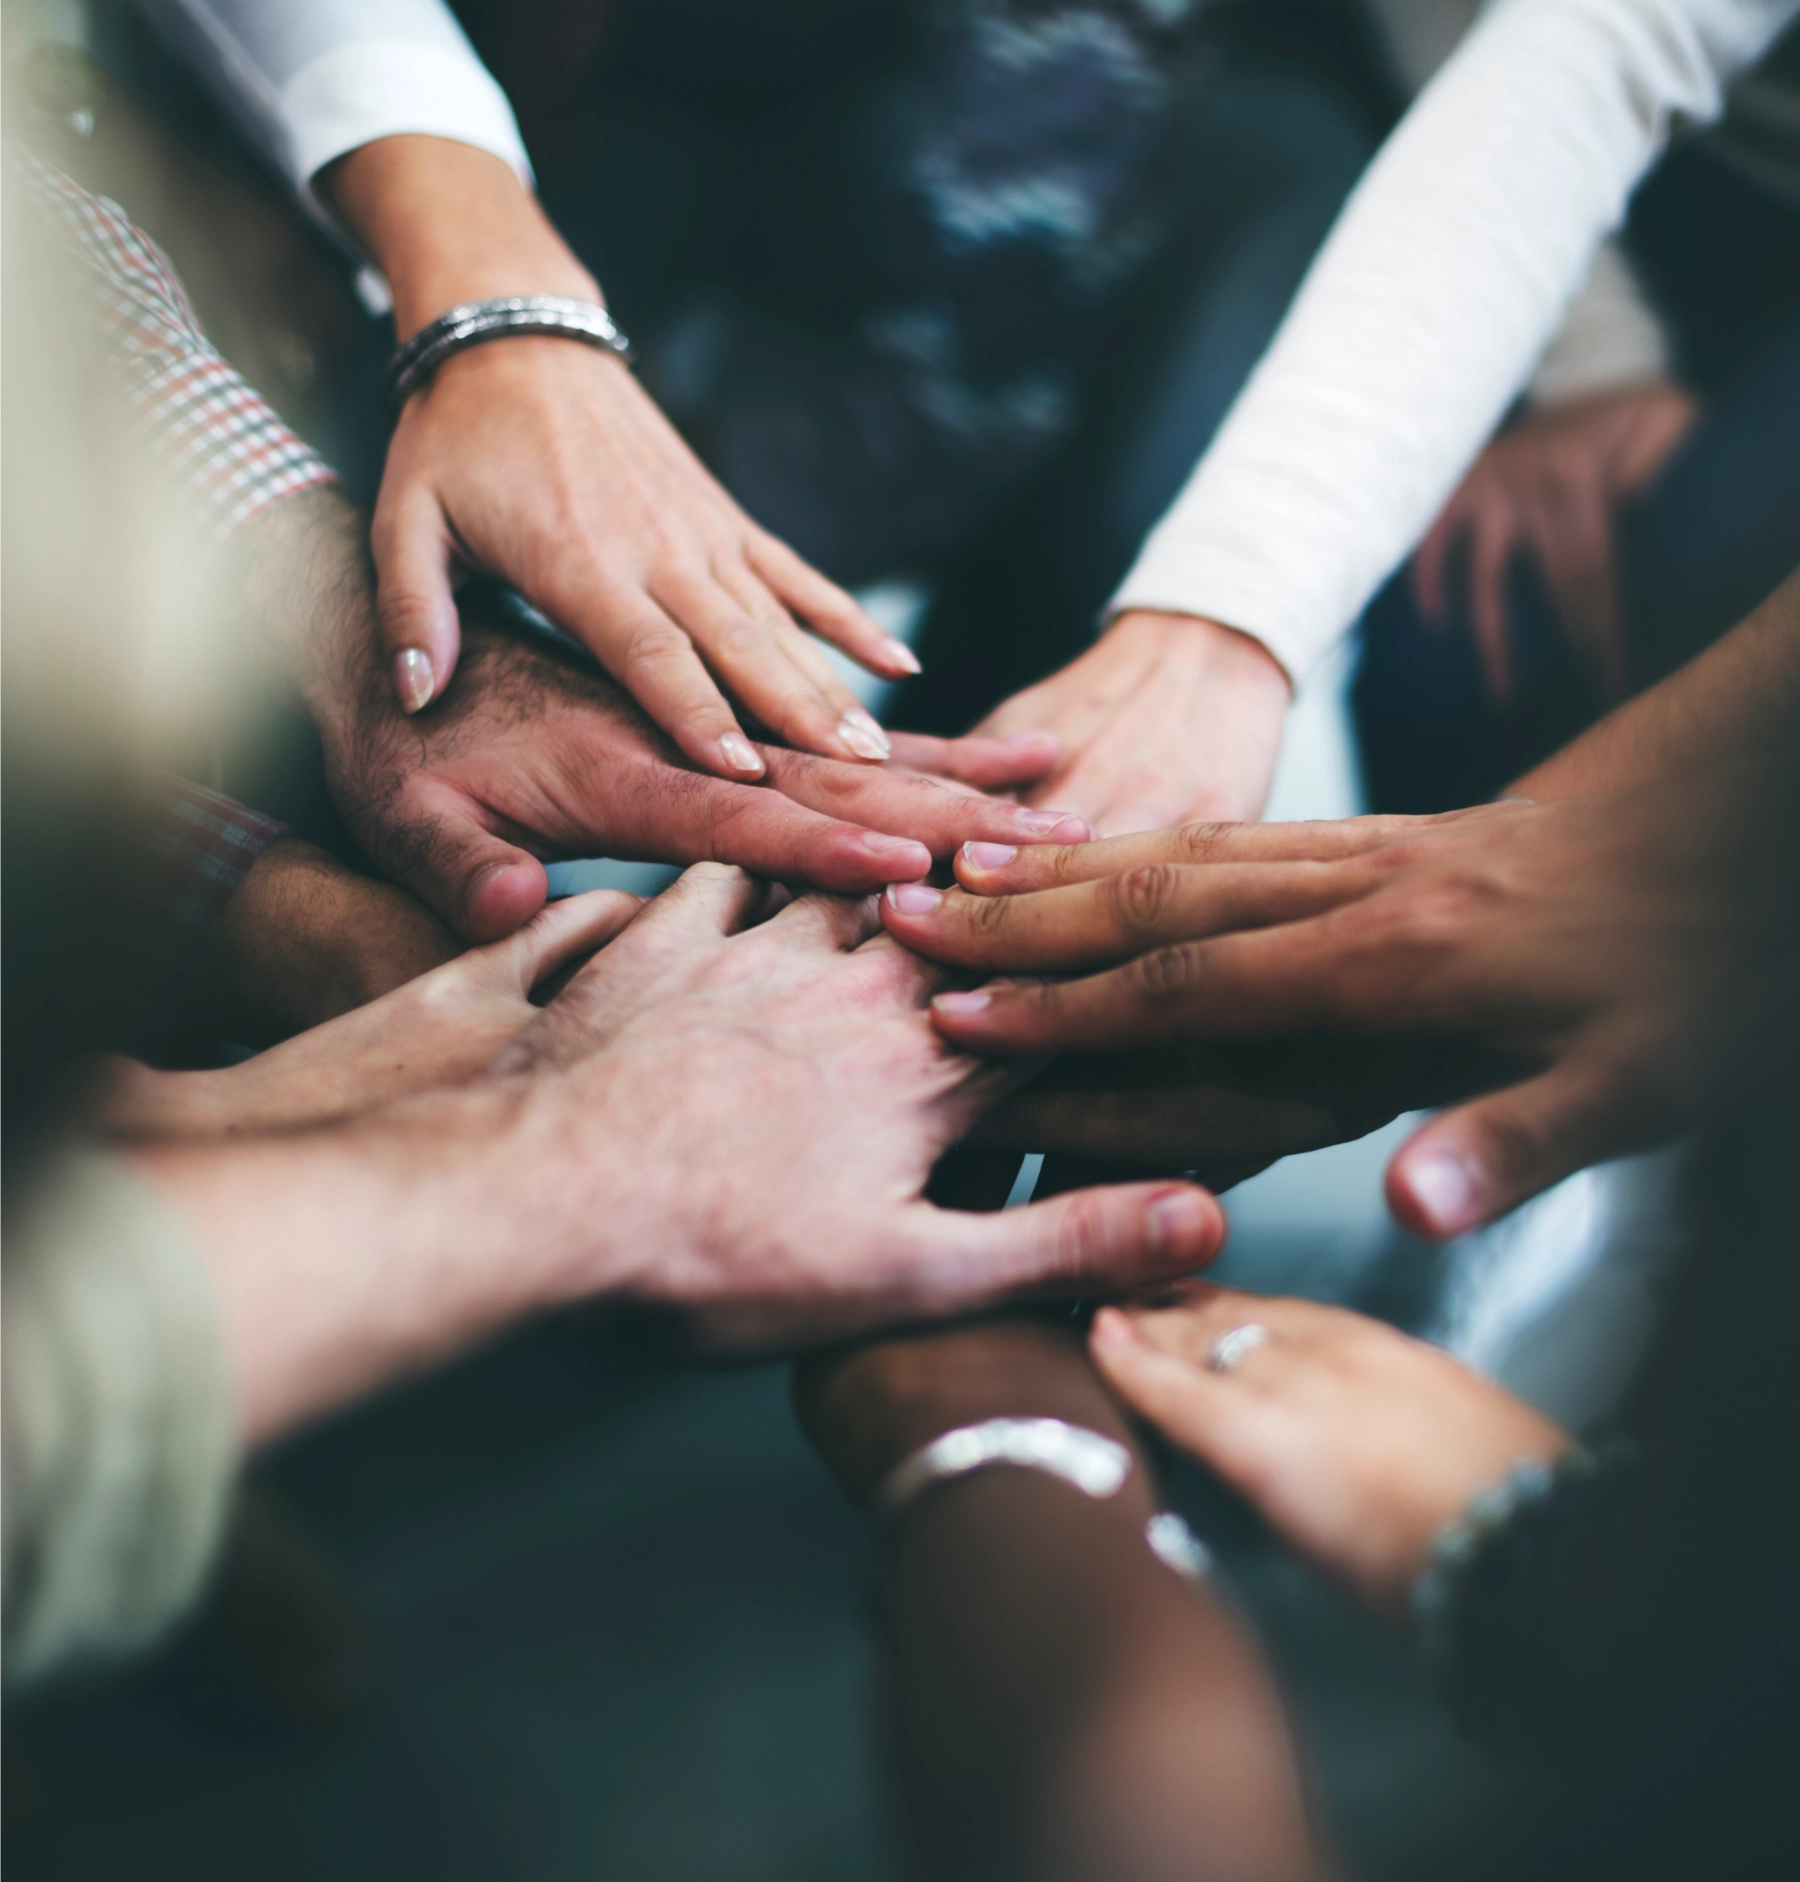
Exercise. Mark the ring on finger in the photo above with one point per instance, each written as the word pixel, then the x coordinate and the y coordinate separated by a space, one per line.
pixel 1230 1349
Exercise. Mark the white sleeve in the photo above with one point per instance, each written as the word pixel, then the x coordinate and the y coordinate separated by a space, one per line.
pixel 1447 273
pixel 311 79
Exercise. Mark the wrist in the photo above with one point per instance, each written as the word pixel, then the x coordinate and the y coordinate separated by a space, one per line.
pixel 449 223
pixel 345 1258
pixel 1233 654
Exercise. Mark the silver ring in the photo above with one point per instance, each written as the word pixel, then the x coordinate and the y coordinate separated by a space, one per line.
pixel 1228 1349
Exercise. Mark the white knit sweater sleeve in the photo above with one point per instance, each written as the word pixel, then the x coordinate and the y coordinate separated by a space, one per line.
pixel 1436 293
pixel 311 79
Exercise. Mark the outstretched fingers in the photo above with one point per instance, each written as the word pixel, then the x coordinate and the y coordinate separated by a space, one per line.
pixel 985 868
pixel 1270 981
pixel 1097 924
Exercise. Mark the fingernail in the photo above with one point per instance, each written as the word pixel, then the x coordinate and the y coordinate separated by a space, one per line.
pixel 913 898
pixel 1044 822
pixel 989 855
pixel 1179 1221
pixel 1047 740
pixel 414 681
pixel 903 656
pixel 957 1005
pixel 740 754
pixel 860 734
pixel 1448 1189
pixel 897 849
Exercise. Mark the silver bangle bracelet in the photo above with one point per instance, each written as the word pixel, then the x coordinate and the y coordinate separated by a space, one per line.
pixel 477 321
pixel 1097 1466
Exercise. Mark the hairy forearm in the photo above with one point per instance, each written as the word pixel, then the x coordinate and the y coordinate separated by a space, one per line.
pixel 448 223
pixel 1738 701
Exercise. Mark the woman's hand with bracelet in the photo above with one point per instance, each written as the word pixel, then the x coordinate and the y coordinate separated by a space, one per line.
pixel 1356 1442
pixel 543 462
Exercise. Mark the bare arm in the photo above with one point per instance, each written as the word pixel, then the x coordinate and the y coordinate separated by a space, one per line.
pixel 1057 1701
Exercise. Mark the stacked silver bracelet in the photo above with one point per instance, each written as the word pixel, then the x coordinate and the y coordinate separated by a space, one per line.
pixel 477 321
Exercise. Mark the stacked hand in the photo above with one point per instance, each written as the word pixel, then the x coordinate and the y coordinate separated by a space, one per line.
pixel 1614 945
pixel 526 759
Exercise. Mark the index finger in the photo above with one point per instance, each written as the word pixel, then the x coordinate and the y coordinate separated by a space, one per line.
pixel 983 870
pixel 1270 982
pixel 1085 925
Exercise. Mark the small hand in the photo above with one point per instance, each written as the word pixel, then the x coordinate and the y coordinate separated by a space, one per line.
pixel 1357 1443
pixel 1611 946
pixel 1552 487
pixel 545 463
pixel 1165 719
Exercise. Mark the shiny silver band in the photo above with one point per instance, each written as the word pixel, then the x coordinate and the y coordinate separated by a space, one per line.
pixel 478 321
pixel 1096 1466
pixel 1229 1349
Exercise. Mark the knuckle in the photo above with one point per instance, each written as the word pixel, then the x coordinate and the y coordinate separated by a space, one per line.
pixel 1165 975
pixel 651 644
pixel 1144 898
pixel 1201 842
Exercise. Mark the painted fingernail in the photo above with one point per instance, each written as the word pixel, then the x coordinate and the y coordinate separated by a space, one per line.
pixel 1179 1221
pixel 1447 1189
pixel 989 855
pixel 740 754
pixel 962 1005
pixel 860 734
pixel 898 851
pixel 913 898
pixel 903 656
pixel 414 681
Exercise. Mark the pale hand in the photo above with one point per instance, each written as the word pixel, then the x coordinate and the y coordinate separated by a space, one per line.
pixel 543 462
pixel 1166 719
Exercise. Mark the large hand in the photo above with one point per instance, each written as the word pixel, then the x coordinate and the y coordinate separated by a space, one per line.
pixel 1552 488
pixel 789 1097
pixel 734 1127
pixel 1357 1443
pixel 525 759
pixel 1614 945
pixel 545 463
pixel 1165 719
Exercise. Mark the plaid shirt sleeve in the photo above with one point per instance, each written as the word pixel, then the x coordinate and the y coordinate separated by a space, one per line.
pixel 194 849
pixel 199 419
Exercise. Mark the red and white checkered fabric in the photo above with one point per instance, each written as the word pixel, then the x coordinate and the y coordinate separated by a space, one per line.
pixel 198 417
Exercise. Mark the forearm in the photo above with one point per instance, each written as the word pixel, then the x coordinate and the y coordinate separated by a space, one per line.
pixel 1426 309
pixel 1738 701
pixel 347 1257
pixel 1058 1701
pixel 449 223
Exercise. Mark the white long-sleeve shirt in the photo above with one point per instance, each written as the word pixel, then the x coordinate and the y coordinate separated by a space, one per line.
pixel 1451 268
pixel 1445 276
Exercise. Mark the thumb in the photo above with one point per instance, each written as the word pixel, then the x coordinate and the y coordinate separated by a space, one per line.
pixel 566 931
pixel 415 603
pixel 483 886
pixel 1472 1164
pixel 1088 1241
